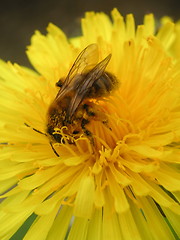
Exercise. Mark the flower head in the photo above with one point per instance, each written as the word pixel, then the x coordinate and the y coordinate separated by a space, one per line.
pixel 120 183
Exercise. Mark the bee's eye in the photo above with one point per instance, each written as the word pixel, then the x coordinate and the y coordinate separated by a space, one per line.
pixel 59 83
pixel 75 132
pixel 57 137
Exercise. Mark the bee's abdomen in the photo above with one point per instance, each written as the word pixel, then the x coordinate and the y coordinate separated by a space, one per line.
pixel 104 85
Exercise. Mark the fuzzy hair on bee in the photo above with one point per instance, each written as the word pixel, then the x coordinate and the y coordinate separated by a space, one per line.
pixel 72 107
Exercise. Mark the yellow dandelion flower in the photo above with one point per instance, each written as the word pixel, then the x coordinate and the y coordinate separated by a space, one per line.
pixel 108 167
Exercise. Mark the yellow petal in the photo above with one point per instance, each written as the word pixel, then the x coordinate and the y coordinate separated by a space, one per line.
pixel 128 226
pixel 13 220
pixel 153 216
pixel 79 229
pixel 146 151
pixel 173 183
pixel 120 199
pixel 61 223
pixel 38 178
pixel 41 227
pixel 95 226
pixel 110 223
pixel 173 219
pixel 84 201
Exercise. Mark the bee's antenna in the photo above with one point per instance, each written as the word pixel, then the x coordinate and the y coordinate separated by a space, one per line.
pixel 54 149
pixel 36 130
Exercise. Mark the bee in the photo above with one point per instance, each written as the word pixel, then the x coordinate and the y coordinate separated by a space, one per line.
pixel 73 107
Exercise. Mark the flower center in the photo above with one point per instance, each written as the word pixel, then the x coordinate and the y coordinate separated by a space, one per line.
pixel 104 130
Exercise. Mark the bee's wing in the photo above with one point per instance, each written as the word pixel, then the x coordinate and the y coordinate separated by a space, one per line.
pixel 86 60
pixel 86 85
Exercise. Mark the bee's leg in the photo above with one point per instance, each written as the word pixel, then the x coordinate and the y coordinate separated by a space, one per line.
pixel 105 122
pixel 89 110
pixel 95 114
pixel 84 122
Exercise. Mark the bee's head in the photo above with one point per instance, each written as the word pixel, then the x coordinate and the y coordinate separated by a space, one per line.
pixel 60 82
pixel 57 137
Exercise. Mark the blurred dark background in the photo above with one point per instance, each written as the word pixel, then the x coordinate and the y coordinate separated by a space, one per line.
pixel 20 18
